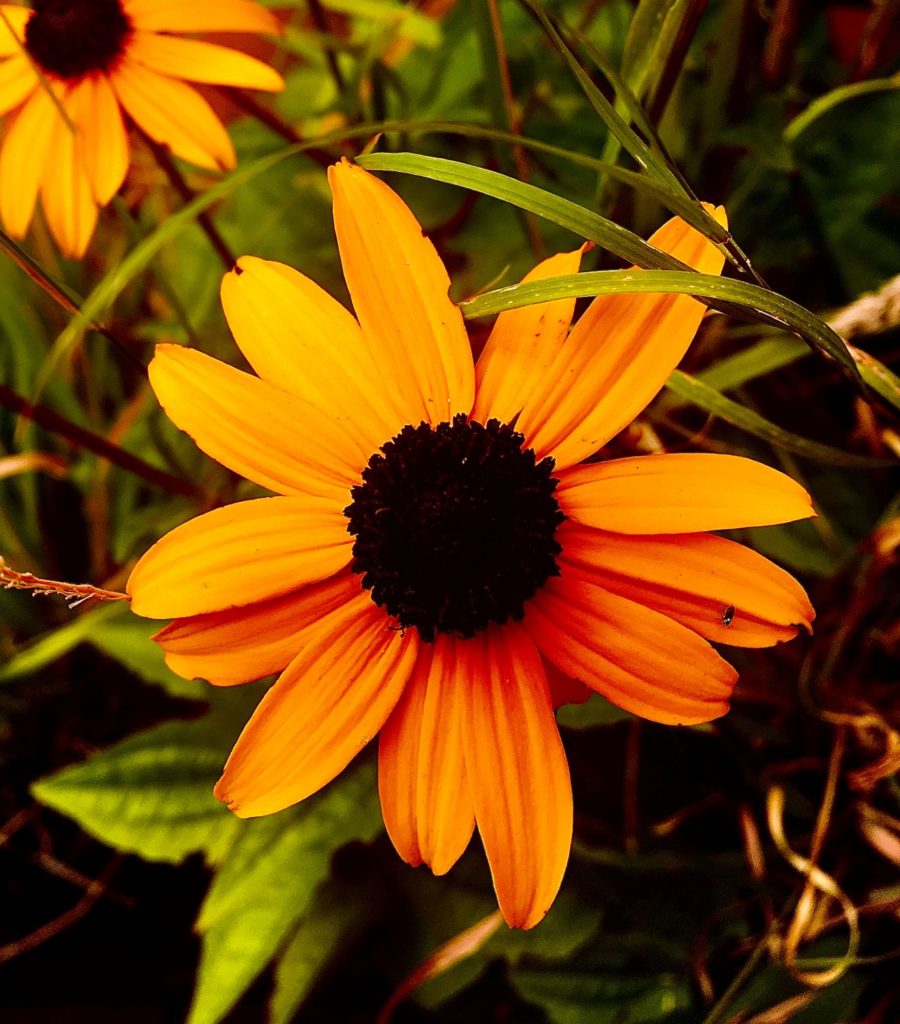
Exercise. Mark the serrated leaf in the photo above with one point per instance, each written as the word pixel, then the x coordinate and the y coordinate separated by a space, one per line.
pixel 267 883
pixel 127 640
pixel 152 793
pixel 336 916
pixel 572 997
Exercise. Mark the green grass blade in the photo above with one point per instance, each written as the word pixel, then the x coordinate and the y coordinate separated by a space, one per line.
pixel 707 398
pixel 748 299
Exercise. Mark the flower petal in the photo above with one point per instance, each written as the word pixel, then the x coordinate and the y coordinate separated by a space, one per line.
pixel 240 554
pixel 638 659
pixel 25 152
pixel 680 493
pixel 295 335
pixel 400 290
pixel 201 16
pixel 425 796
pixel 173 114
pixel 246 643
pixel 15 17
pixel 617 358
pixel 517 770
pixel 66 192
pixel 197 61
pixel 268 436
pixel 522 346
pixel 329 702
pixel 721 590
pixel 102 142
pixel 17 82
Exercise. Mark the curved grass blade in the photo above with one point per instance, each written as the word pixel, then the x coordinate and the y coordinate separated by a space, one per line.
pixel 747 299
pixel 564 212
pixel 578 219
pixel 707 398
pixel 618 127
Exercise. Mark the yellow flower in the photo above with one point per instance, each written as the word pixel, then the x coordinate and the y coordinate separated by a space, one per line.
pixel 98 59
pixel 442 562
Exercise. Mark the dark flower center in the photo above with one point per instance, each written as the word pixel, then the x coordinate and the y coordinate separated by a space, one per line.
pixel 73 37
pixel 455 526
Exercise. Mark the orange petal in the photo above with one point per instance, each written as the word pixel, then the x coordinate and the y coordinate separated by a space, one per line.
pixel 634 656
pixel 196 61
pixel 563 688
pixel 522 346
pixel 15 18
pixel 26 149
pixel 268 436
pixel 200 16
pixel 327 705
pixel 681 493
pixel 240 554
pixel 400 290
pixel 173 114
pixel 102 142
pixel 247 643
pixel 618 356
pixel 17 82
pixel 425 797
pixel 721 590
pixel 66 192
pixel 517 770
pixel 297 336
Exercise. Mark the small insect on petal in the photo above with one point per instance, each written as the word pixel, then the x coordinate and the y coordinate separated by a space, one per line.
pixel 728 615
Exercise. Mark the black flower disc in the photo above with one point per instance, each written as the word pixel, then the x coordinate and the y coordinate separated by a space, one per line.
pixel 455 526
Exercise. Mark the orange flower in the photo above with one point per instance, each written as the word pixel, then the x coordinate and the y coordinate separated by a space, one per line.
pixel 98 58
pixel 440 549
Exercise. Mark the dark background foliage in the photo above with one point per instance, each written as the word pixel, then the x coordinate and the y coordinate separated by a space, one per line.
pixel 128 893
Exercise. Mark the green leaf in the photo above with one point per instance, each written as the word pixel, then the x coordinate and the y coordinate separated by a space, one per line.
pixel 824 104
pixel 336 916
pixel 569 996
pixel 267 883
pixel 127 640
pixel 595 711
pixel 651 38
pixel 152 793
pixel 48 648
pixel 749 298
pixel 705 397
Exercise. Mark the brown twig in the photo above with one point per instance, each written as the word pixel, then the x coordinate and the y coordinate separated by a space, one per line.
pixel 513 122
pixel 317 13
pixel 251 105
pixel 79 437
pixel 176 180
pixel 65 920
pixel 74 593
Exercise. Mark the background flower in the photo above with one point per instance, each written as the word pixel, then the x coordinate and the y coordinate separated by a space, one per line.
pixel 73 69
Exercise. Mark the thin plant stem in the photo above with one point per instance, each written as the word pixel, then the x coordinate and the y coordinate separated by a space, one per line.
pixel 177 181
pixel 321 22
pixel 79 437
pixel 251 106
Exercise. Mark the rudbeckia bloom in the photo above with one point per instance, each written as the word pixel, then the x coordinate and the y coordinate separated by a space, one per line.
pixel 442 562
pixel 71 67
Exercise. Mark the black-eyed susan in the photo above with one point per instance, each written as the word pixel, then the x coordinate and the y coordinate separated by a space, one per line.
pixel 441 561
pixel 69 70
